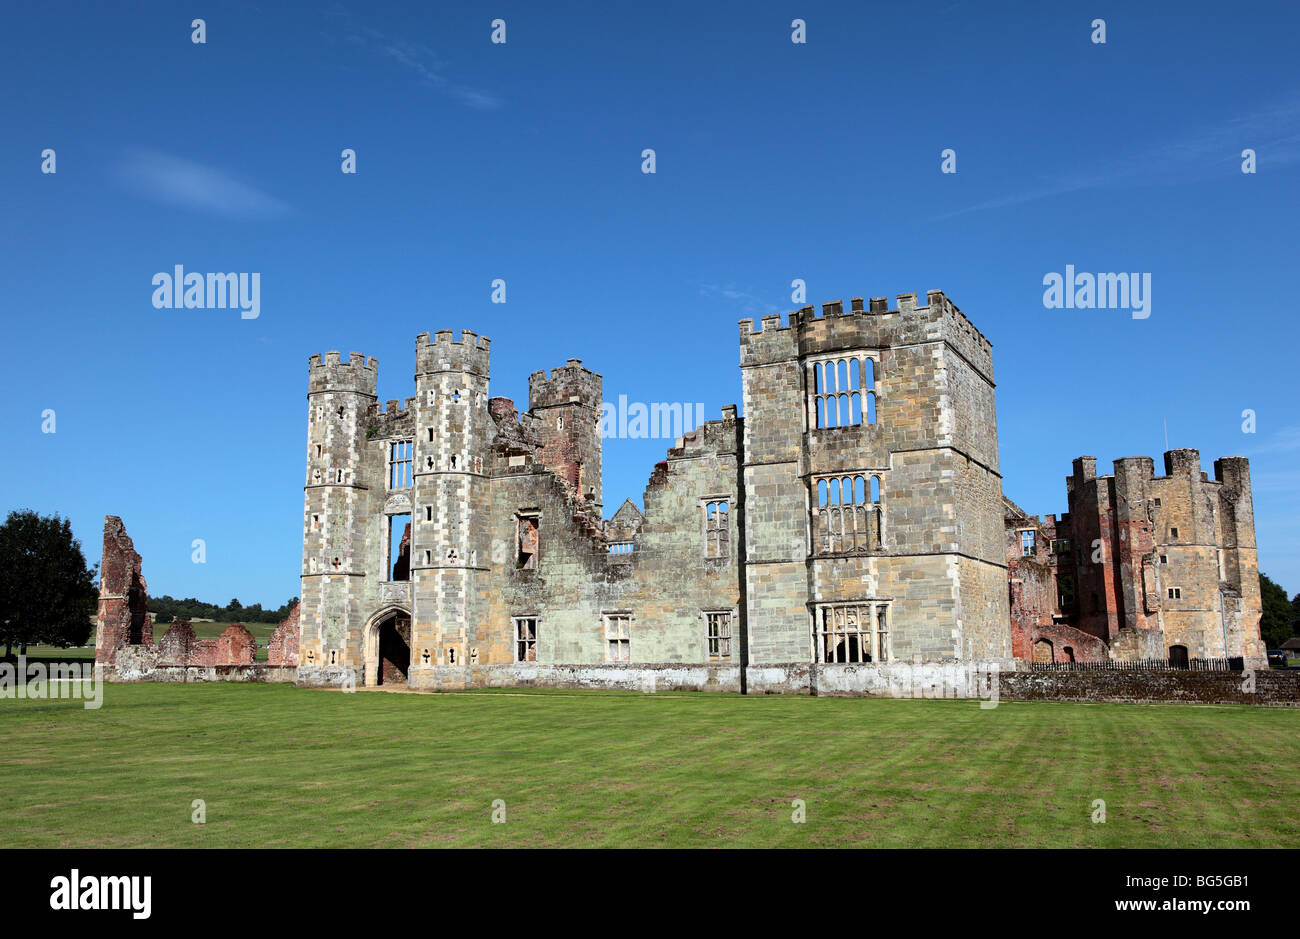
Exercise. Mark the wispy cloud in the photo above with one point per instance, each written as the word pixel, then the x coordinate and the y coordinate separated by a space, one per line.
pixel 175 181
pixel 748 302
pixel 1286 440
pixel 1273 132
pixel 416 58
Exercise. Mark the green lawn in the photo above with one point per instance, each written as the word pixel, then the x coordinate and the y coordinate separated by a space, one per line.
pixel 284 766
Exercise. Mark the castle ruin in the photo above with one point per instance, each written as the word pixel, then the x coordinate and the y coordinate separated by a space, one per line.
pixel 852 516
pixel 849 528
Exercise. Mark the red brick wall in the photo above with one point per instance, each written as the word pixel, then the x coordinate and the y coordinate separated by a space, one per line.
pixel 123 595
pixel 236 646
pixel 283 648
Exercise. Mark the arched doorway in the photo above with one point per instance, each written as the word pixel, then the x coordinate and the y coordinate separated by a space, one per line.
pixel 1178 657
pixel 1043 652
pixel 388 647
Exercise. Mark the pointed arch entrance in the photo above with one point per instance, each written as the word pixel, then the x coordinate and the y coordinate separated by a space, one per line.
pixel 387 647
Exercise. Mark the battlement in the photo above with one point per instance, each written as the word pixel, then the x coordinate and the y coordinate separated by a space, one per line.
pixel 864 326
pixel 468 353
pixel 1180 463
pixel 358 375
pixel 571 383
pixel 394 407
pixel 390 419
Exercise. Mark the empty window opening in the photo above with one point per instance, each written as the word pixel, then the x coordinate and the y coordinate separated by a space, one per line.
pixel 719 636
pixel 318 451
pixel 338 476
pixel 618 637
pixel 451 656
pixel 526 541
pixel 1173 533
pixel 399 547
pixel 1157 503
pixel 428 513
pixel 1027 544
pixel 717 529
pixel 340 412
pixel 620 547
pixel 1164 559
pixel 453 461
pixel 851 633
pixel 1175 593
pixel 843 391
pixel 315 522
pixel 850 514
pixel 525 638
pixel 399 464
pixel 430 435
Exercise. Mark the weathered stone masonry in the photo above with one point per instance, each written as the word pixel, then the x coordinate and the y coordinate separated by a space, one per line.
pixel 850 518
pixel 847 534
pixel 1142 567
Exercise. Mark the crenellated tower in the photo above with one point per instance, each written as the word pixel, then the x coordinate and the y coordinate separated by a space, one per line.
pixel 451 541
pixel 336 510
pixel 872 488
pixel 567 405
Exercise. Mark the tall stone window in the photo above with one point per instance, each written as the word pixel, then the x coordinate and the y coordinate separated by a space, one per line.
pixel 717 528
pixel 718 626
pixel 851 633
pixel 1027 543
pixel 842 391
pixel 525 638
pixel 618 637
pixel 527 540
pixel 850 514
pixel 399 464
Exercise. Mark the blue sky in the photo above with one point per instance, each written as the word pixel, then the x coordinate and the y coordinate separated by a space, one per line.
pixel 522 161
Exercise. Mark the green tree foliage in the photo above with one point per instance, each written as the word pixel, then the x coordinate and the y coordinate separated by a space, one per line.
pixel 1277 625
pixel 234 611
pixel 47 593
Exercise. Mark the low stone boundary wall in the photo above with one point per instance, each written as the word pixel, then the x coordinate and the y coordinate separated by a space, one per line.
pixel 1271 686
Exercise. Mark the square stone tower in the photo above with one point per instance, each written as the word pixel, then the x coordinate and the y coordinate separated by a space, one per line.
pixel 873 500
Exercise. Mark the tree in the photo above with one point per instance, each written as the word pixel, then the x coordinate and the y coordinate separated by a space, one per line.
pixel 1277 623
pixel 47 593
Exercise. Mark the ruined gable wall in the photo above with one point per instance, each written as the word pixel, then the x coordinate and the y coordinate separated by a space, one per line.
pixel 122 614
pixel 664 583
pixel 283 647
